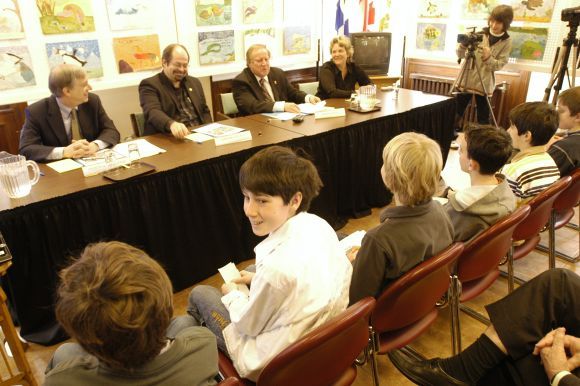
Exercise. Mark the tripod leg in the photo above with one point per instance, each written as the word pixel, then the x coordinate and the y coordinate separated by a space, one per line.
pixel 486 94
pixel 553 76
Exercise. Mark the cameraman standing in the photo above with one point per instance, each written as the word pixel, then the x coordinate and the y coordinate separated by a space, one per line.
pixel 490 55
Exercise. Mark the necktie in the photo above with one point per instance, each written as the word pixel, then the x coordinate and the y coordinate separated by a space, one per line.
pixel 265 90
pixel 74 126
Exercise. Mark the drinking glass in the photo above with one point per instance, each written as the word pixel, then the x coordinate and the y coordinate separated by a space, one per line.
pixel 14 176
pixel 134 154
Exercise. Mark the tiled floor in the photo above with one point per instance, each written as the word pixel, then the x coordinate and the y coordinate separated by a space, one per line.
pixel 437 340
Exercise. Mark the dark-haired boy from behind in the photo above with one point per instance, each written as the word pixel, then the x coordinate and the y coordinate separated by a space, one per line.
pixel 566 151
pixel 531 170
pixel 483 150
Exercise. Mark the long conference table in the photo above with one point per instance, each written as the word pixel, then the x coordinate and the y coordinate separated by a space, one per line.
pixel 188 214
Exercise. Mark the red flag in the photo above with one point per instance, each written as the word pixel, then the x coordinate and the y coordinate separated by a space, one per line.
pixel 371 14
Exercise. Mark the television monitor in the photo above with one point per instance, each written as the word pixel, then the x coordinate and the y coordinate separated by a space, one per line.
pixel 372 51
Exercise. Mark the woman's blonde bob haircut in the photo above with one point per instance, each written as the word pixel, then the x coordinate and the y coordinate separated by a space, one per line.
pixel 344 42
pixel 412 165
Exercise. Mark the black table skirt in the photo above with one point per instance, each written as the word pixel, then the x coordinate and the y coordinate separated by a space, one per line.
pixel 191 218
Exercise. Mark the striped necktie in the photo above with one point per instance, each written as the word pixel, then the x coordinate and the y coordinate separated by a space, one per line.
pixel 265 90
pixel 74 126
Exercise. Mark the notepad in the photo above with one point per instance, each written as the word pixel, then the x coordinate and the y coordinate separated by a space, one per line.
pixel 229 272
pixel 64 165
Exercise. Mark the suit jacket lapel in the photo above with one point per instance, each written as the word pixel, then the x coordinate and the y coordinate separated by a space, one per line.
pixel 165 81
pixel 274 85
pixel 194 100
pixel 56 123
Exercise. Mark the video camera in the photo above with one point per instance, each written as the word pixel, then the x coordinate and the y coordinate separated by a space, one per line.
pixel 571 14
pixel 470 39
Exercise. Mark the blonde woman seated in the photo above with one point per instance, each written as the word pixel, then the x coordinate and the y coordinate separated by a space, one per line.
pixel 339 76
pixel 413 230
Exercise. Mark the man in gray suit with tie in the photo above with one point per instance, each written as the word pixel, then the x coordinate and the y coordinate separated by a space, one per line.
pixel 264 89
pixel 173 101
pixel 71 123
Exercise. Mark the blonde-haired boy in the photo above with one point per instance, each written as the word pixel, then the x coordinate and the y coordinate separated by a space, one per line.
pixel 412 231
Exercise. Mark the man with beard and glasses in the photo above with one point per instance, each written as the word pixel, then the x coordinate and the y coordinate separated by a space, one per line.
pixel 173 101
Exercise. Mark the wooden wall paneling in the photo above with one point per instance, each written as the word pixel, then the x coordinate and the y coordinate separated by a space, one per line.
pixel 517 82
pixel 11 121
pixel 218 87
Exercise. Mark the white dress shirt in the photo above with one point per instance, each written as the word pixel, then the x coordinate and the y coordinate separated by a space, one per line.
pixel 301 281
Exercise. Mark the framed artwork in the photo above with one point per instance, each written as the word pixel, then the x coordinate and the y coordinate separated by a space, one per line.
pixel 216 47
pixel 11 25
pixel 297 40
pixel 257 11
pixel 434 8
pixel 259 36
pixel 15 68
pixel 213 12
pixel 137 53
pixel 528 43
pixel 431 36
pixel 130 14
pixel 477 9
pixel 533 10
pixel 65 16
pixel 84 53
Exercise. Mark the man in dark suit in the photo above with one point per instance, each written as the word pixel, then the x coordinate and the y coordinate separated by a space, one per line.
pixel 264 89
pixel 173 101
pixel 71 123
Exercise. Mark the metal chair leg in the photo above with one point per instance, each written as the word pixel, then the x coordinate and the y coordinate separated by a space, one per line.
pixel 374 343
pixel 510 267
pixel 454 293
pixel 552 241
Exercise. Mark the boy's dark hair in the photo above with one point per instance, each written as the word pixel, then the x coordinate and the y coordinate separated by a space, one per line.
pixel 539 118
pixel 571 99
pixel 117 303
pixel 490 147
pixel 503 14
pixel 279 171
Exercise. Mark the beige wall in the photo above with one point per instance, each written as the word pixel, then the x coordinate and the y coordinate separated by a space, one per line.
pixel 120 102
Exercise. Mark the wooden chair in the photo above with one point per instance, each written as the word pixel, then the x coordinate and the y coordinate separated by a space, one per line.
pixel 309 87
pixel 408 306
pixel 529 229
pixel 478 267
pixel 15 370
pixel 229 106
pixel 138 124
pixel 325 356
pixel 562 213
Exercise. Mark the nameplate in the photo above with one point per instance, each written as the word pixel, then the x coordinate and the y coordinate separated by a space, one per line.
pixel 233 138
pixel 330 113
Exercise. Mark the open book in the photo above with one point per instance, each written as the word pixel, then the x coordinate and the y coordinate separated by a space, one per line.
pixel 230 272
pixel 352 241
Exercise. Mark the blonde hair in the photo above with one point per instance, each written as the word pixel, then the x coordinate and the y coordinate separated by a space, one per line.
pixel 412 165
pixel 345 43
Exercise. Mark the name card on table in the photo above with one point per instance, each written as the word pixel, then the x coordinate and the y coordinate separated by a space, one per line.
pixel 334 113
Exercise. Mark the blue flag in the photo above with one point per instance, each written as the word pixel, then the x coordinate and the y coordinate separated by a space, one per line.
pixel 339 17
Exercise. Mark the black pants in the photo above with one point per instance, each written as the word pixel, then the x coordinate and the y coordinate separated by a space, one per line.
pixel 525 316
pixel 462 100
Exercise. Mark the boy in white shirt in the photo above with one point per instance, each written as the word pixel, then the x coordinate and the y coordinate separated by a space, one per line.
pixel 302 275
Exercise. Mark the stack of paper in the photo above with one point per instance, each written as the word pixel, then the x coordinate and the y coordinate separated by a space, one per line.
pixel 230 272
pixel 146 148
pixel 222 134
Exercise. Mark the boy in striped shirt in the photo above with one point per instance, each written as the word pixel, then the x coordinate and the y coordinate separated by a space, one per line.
pixel 532 169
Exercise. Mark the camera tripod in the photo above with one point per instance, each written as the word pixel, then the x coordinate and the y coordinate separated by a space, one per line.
pixel 470 64
pixel 560 65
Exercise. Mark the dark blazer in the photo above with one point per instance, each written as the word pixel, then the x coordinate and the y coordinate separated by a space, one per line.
pixel 249 96
pixel 44 129
pixel 159 103
pixel 332 85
